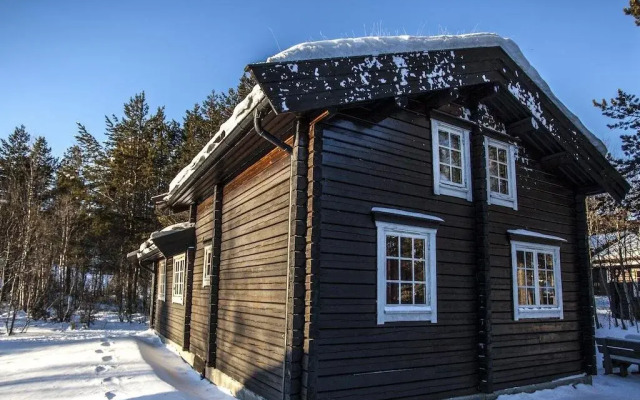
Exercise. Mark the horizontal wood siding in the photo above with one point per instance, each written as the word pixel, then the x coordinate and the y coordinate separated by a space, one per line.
pixel 201 293
pixel 253 265
pixel 531 351
pixel 170 316
pixel 388 164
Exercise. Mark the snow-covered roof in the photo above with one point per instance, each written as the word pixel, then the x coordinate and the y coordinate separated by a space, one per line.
pixel 524 232
pixel 376 45
pixel 148 246
pixel 243 110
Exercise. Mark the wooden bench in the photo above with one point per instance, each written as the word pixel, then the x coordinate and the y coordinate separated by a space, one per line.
pixel 620 353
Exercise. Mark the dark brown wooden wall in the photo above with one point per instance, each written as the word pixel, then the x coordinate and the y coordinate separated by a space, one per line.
pixel 388 164
pixel 170 316
pixel 531 351
pixel 253 265
pixel 201 293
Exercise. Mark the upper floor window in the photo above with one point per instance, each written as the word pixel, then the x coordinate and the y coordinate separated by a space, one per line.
pixel 179 267
pixel 501 173
pixel 537 283
pixel 451 160
pixel 207 265
pixel 406 273
pixel 162 279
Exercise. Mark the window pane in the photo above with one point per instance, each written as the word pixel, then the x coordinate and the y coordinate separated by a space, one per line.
pixel 406 273
pixel 529 259
pixel 541 261
pixel 419 293
pixel 494 184
pixel 504 186
pixel 520 258
pixel 392 270
pixel 455 142
pixel 520 275
pixel 445 172
pixel 392 246
pixel 419 270
pixel 445 155
pixel 502 171
pixel 549 259
pixel 418 245
pixel 526 296
pixel 456 175
pixel 493 153
pixel 392 293
pixel 528 273
pixel 443 138
pixel 493 168
pixel 406 247
pixel 406 293
pixel 502 155
pixel 456 158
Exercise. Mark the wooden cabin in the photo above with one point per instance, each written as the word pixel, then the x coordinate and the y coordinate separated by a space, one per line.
pixel 386 218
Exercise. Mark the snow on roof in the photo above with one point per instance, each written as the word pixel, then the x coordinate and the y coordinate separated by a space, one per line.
pixel 148 246
pixel 240 112
pixel 376 45
pixel 524 232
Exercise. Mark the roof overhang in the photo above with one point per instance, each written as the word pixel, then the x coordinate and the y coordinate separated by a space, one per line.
pixel 294 84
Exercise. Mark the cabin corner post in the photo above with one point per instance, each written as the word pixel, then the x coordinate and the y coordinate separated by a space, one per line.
pixel 214 284
pixel 188 287
pixel 152 302
pixel 587 314
pixel 483 261
pixel 312 264
pixel 294 329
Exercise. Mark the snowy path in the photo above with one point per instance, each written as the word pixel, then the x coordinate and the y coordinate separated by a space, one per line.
pixel 122 361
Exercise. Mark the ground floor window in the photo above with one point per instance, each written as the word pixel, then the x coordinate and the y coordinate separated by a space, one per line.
pixel 406 273
pixel 537 283
pixel 179 267
pixel 207 265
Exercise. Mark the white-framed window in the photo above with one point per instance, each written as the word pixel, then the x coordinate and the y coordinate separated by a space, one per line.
pixel 179 267
pixel 501 173
pixel 162 279
pixel 537 281
pixel 406 273
pixel 451 160
pixel 207 265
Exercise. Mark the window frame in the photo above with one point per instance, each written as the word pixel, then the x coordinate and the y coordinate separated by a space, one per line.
pixel 162 279
pixel 537 310
pixel 181 259
pixel 395 313
pixel 497 198
pixel 450 188
pixel 207 270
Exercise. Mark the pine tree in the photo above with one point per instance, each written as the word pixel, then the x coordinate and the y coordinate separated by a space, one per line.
pixel 633 10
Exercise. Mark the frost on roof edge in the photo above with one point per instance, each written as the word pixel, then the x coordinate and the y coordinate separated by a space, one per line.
pixel 375 45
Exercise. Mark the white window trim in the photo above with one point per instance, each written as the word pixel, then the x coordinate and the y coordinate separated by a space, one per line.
pixel 406 312
pixel 448 188
pixel 207 258
pixel 178 298
pixel 528 312
pixel 497 198
pixel 162 279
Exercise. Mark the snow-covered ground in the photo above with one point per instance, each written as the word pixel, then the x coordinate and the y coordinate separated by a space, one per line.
pixel 605 387
pixel 112 360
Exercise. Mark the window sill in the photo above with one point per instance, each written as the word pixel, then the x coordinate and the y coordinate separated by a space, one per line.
pixel 536 313
pixel 454 191
pixel 503 201
pixel 407 313
pixel 177 301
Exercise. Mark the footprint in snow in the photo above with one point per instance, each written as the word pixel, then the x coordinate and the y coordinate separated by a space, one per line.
pixel 99 351
pixel 100 369
pixel 112 379
pixel 105 344
pixel 107 358
pixel 109 395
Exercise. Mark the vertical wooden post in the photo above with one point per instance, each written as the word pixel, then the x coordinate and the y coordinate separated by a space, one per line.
pixel 188 287
pixel 152 305
pixel 483 260
pixel 312 264
pixel 214 284
pixel 296 264
pixel 587 314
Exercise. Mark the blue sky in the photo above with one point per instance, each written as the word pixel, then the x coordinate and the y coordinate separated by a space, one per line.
pixel 68 61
